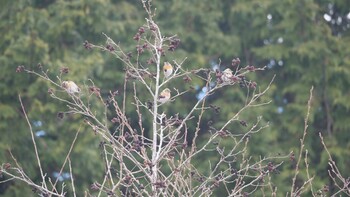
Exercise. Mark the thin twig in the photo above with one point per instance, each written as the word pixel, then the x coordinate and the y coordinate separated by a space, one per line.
pixel 292 193
pixel 67 156
pixel 34 143
pixel 71 177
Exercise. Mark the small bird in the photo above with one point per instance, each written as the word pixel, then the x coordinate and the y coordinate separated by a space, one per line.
pixel 227 75
pixel 168 69
pixel 164 96
pixel 70 87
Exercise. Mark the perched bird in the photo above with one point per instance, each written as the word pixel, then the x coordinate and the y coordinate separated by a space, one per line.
pixel 70 87
pixel 164 96
pixel 227 75
pixel 168 69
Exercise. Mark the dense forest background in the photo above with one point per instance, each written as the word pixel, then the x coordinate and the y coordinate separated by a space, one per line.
pixel 304 43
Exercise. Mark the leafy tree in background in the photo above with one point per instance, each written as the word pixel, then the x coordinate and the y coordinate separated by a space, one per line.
pixel 301 46
pixel 152 159
pixel 304 49
pixel 51 35
pixel 292 38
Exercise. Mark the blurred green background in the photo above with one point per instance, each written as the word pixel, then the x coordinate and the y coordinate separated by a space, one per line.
pixel 304 43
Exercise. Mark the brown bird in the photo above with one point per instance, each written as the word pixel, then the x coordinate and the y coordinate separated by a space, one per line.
pixel 227 75
pixel 167 69
pixel 164 96
pixel 70 87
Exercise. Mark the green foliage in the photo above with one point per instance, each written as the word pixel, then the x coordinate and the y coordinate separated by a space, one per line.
pixel 291 38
